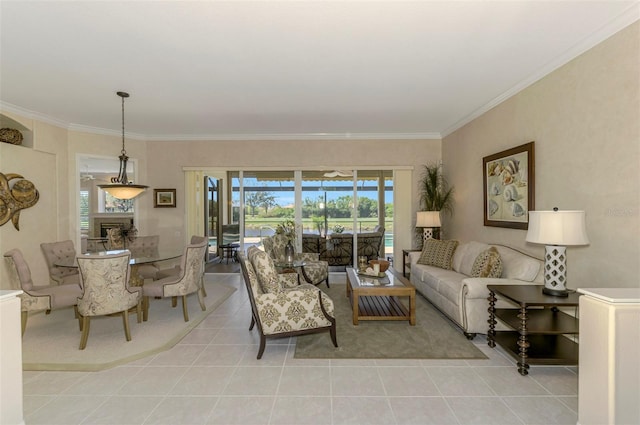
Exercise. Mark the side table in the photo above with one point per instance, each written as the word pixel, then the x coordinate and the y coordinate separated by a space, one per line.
pixel 405 255
pixel 538 326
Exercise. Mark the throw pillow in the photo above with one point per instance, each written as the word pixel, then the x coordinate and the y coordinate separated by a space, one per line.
pixel 438 253
pixel 487 264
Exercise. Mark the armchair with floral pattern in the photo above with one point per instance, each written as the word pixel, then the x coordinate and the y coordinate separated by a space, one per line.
pixel 280 309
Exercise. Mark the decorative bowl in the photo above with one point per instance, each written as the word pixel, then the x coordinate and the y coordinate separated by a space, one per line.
pixel 384 264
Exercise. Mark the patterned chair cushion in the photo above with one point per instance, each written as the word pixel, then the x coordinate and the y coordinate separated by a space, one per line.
pixel 293 309
pixel 265 270
pixel 438 253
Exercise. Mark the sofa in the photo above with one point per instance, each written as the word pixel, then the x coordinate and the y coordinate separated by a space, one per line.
pixel 463 298
pixel 337 248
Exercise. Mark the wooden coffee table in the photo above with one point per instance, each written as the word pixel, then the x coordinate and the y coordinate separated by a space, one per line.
pixel 379 299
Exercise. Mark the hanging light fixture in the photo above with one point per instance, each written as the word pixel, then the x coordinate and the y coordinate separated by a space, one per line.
pixel 120 187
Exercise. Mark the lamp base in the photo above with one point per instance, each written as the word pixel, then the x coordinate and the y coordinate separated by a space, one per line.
pixel 555 292
pixel 427 233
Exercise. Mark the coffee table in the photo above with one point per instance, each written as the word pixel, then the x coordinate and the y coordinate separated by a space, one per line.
pixel 379 298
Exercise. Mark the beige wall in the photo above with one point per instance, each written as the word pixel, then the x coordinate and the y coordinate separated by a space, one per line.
pixel 166 159
pixel 585 120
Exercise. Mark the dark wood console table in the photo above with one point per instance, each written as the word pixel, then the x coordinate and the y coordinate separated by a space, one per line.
pixel 538 326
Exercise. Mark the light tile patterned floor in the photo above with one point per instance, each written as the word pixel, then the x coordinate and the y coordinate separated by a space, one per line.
pixel 213 377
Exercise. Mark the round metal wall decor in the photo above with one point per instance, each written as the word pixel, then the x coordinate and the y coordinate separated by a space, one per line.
pixel 23 194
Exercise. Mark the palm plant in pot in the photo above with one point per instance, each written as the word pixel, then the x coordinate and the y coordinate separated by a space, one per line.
pixel 435 193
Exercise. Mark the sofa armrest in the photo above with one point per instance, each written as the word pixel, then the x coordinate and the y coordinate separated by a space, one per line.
pixel 477 286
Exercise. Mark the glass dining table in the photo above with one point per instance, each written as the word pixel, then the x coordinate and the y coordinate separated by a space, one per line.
pixel 135 261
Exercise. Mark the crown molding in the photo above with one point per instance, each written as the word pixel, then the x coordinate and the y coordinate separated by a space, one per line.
pixel 297 136
pixel 626 18
pixel 26 113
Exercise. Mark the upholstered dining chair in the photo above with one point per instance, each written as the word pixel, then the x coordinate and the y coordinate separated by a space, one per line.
pixel 280 308
pixel 55 252
pixel 315 271
pixel 105 290
pixel 188 281
pixel 38 298
pixel 177 269
pixel 145 246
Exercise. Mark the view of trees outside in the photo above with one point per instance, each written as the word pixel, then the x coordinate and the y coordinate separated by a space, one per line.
pixel 327 203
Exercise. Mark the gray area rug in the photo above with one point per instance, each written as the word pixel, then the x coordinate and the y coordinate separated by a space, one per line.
pixel 433 336
pixel 51 341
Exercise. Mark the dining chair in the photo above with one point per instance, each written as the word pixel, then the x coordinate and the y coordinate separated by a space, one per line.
pixel 145 246
pixel 56 252
pixel 176 270
pixel 188 281
pixel 38 298
pixel 105 290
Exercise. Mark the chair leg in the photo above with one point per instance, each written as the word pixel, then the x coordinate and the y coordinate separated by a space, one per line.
pixel 174 301
pixel 263 341
pixel 24 315
pixel 145 308
pixel 48 311
pixel 139 311
pixel 85 331
pixel 125 322
pixel 75 309
pixel 201 301
pixel 204 291
pixel 253 322
pixel 185 312
pixel 332 331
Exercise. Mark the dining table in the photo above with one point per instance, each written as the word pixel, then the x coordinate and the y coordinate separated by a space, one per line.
pixel 136 261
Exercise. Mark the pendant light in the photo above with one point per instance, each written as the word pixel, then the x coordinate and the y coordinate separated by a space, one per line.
pixel 120 187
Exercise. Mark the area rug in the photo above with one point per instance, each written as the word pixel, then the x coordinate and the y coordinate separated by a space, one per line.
pixel 433 336
pixel 51 341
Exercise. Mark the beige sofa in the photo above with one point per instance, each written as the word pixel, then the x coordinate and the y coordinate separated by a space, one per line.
pixel 463 298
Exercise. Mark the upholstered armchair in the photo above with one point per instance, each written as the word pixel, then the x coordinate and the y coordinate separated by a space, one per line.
pixel 279 307
pixel 105 290
pixel 188 281
pixel 37 298
pixel 315 271
pixel 55 252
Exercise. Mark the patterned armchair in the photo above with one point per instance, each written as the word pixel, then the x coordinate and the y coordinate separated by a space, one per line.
pixel 38 298
pixel 280 307
pixel 105 290
pixel 60 251
pixel 188 281
pixel 315 270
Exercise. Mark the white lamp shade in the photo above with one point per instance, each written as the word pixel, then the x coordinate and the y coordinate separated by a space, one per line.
pixel 123 191
pixel 557 228
pixel 428 219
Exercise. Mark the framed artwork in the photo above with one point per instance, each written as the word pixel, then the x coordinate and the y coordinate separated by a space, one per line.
pixel 164 198
pixel 509 187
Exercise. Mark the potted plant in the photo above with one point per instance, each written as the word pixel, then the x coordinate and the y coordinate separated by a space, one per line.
pixel 435 193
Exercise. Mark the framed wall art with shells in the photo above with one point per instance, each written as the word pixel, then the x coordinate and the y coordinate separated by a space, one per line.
pixel 509 187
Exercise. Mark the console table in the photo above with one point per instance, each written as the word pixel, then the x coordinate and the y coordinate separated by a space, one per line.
pixel 537 326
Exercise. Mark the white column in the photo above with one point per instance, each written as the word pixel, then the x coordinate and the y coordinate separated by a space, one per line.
pixel 609 378
pixel 10 359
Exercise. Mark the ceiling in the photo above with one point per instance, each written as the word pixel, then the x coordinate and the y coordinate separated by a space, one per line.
pixel 298 69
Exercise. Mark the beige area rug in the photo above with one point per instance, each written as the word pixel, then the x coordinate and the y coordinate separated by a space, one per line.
pixel 433 336
pixel 51 341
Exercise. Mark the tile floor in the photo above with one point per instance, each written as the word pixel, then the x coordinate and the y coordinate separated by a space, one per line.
pixel 213 377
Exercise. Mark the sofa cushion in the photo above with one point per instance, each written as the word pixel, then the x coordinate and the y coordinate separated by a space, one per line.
pixel 438 253
pixel 516 265
pixel 487 264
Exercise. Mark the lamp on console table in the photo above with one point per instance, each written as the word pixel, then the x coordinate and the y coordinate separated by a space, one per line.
pixel 556 230
pixel 428 220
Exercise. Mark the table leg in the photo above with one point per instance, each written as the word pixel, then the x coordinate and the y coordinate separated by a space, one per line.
pixel 412 309
pixel 354 306
pixel 491 334
pixel 523 342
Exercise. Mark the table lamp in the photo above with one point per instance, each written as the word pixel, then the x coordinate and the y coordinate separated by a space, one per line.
pixel 428 220
pixel 556 230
